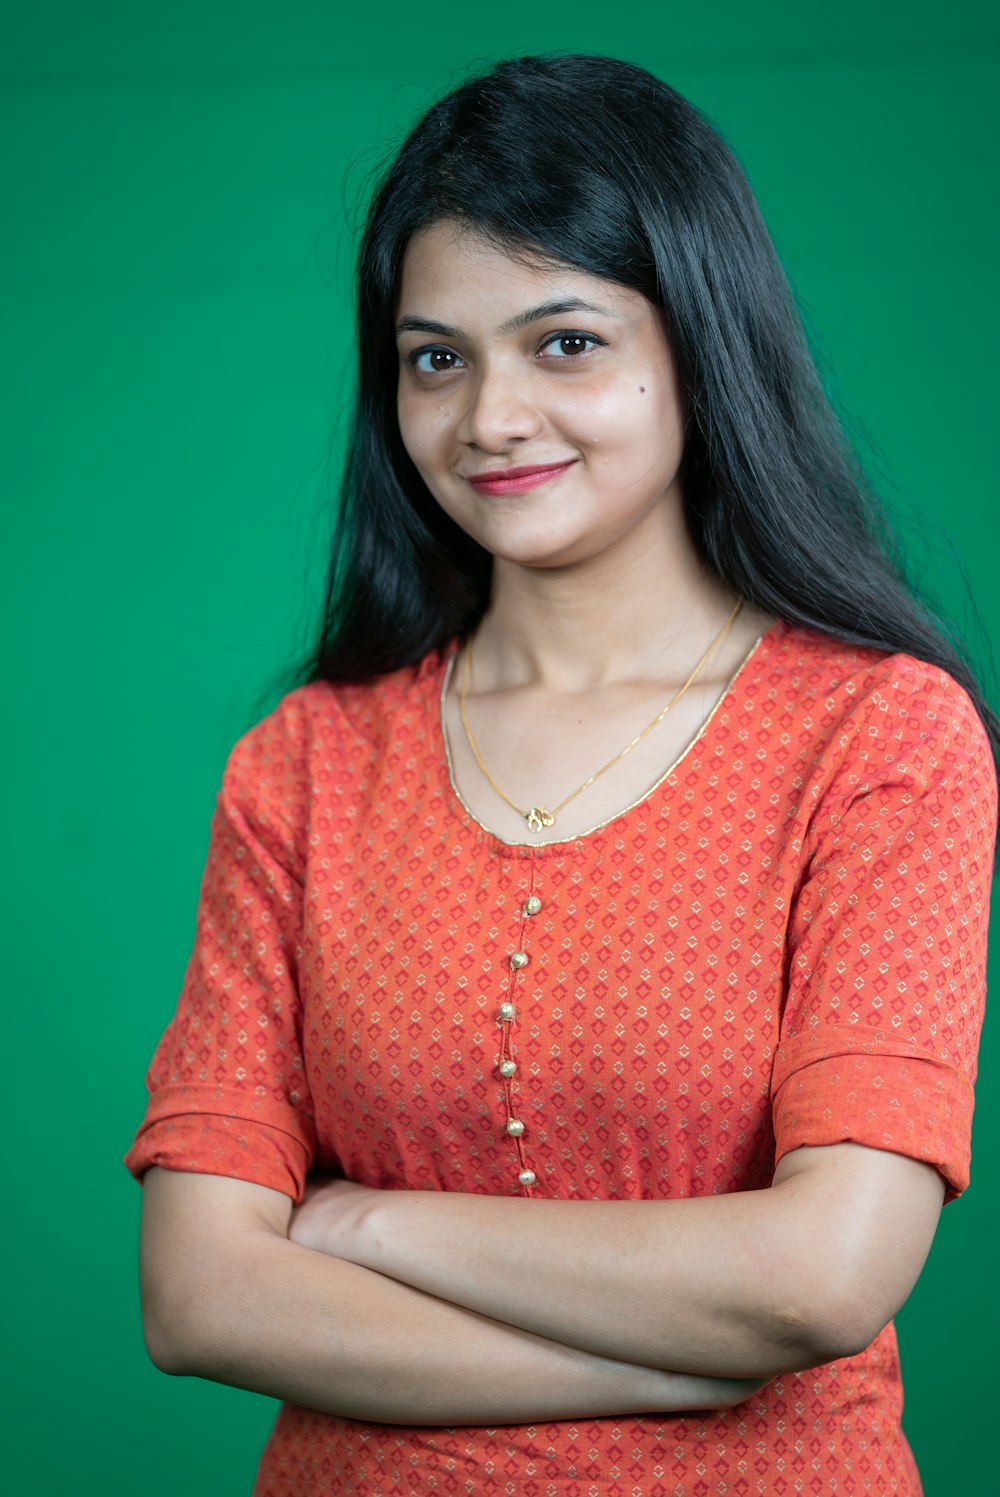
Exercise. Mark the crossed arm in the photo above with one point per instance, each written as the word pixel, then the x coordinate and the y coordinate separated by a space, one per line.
pixel 227 1296
pixel 440 1308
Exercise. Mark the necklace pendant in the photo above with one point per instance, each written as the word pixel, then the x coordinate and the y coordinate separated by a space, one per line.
pixel 538 817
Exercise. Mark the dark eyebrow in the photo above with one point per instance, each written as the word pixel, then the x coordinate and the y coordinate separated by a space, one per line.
pixel 424 325
pixel 514 325
pixel 553 309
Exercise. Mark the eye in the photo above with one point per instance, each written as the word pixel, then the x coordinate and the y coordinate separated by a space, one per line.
pixel 434 360
pixel 570 345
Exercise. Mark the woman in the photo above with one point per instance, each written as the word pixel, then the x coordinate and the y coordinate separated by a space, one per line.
pixel 578 1041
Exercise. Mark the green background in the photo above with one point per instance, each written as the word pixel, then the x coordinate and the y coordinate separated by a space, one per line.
pixel 179 185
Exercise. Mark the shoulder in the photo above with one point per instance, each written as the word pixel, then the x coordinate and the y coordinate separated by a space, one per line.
pixel 872 722
pixel 821 669
pixel 858 697
pixel 351 718
pixel 324 736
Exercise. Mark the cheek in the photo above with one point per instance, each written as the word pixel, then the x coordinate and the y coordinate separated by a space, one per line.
pixel 596 417
pixel 633 420
pixel 408 428
pixel 654 413
pixel 423 426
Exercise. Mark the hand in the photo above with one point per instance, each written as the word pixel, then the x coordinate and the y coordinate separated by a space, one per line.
pixel 329 1216
pixel 727 1392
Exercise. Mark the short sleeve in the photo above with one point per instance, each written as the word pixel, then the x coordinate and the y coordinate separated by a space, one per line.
pixel 227 1087
pixel 887 934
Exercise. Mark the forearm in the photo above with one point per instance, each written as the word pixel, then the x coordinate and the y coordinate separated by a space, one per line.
pixel 595 1275
pixel 261 1312
pixel 747 1284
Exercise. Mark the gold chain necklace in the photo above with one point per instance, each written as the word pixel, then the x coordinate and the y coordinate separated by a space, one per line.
pixel 538 817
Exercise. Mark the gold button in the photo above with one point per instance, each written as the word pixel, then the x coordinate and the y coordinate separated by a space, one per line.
pixel 506 1012
pixel 515 1127
pixel 527 1177
pixel 531 905
pixel 519 959
pixel 507 1068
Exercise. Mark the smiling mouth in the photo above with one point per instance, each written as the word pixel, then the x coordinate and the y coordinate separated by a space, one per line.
pixel 517 480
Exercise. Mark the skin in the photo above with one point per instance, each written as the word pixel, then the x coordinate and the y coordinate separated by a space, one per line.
pixel 593 384
pixel 599 608
pixel 600 604
pixel 749 1285
pixel 228 1295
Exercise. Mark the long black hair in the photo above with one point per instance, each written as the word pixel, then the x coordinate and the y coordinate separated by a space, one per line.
pixel 595 163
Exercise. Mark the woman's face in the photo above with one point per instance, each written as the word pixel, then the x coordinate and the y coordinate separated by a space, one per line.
pixel 538 403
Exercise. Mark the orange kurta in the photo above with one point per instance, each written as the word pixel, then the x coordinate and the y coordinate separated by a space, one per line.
pixel 783 943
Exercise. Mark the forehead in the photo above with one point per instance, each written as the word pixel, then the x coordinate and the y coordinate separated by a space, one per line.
pixel 450 265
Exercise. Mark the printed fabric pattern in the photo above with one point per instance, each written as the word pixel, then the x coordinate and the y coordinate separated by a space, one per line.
pixel 782 944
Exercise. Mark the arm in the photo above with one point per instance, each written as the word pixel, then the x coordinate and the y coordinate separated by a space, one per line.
pixel 745 1285
pixel 885 945
pixel 227 1296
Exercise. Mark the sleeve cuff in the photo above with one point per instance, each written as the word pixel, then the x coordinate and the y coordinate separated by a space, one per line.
pixel 221 1131
pixel 837 1087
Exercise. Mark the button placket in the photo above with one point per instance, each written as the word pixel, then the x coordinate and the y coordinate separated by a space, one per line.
pixel 506 1064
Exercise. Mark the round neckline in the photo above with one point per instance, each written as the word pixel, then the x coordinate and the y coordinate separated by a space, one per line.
pixel 463 812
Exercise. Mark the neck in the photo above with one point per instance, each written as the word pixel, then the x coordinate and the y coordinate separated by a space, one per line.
pixel 578 629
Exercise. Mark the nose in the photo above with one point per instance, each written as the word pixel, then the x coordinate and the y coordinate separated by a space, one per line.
pixel 499 410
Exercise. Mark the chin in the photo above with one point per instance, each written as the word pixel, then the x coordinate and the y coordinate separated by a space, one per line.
pixel 541 557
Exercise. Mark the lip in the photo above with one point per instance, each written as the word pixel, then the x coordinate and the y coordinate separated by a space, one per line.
pixel 516 480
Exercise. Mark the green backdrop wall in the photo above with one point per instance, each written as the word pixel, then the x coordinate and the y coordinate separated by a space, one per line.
pixel 175 284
